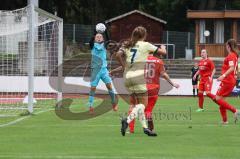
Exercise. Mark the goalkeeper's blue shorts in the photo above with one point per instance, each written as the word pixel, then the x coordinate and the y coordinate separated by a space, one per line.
pixel 100 73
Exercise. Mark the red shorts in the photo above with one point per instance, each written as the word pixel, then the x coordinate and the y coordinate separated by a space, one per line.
pixel 152 91
pixel 205 85
pixel 225 89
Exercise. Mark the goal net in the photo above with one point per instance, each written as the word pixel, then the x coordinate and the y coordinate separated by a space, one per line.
pixel 28 63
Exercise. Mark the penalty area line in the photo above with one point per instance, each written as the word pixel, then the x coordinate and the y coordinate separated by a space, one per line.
pixel 20 119
pixel 68 157
pixel 161 125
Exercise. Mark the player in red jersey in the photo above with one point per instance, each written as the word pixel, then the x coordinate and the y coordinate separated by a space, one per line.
pixel 206 72
pixel 228 81
pixel 153 70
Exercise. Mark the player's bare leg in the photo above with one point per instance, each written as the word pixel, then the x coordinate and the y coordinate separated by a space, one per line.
pixel 195 90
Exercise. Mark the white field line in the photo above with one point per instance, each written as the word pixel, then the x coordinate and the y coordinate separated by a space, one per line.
pixel 7 115
pixel 168 125
pixel 16 108
pixel 13 108
pixel 13 122
pixel 20 119
pixel 161 125
pixel 67 157
pixel 25 117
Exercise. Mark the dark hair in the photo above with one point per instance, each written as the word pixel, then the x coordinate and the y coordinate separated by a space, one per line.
pixel 232 43
pixel 137 34
pixel 157 55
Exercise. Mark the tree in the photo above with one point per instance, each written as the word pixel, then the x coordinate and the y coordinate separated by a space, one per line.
pixel 94 11
pixel 12 4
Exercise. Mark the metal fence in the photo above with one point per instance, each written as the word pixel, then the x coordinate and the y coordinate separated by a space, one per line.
pixel 176 42
pixel 180 41
pixel 77 33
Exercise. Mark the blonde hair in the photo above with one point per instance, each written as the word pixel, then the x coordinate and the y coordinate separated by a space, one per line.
pixel 138 33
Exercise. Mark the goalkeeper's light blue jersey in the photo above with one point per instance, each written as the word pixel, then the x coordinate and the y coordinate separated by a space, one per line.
pixel 99 56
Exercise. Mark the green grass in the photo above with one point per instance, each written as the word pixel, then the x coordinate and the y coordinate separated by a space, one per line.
pixel 195 136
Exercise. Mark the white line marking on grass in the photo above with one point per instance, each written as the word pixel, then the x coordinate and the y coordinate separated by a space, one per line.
pixel 22 118
pixel 170 125
pixel 13 122
pixel 163 125
pixel 15 108
pixel 69 157
pixel 7 115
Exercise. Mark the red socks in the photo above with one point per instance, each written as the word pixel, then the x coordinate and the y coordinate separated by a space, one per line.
pixel 132 123
pixel 225 105
pixel 223 112
pixel 210 95
pixel 131 126
pixel 200 100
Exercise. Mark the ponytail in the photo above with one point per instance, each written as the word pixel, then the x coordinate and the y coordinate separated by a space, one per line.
pixel 138 33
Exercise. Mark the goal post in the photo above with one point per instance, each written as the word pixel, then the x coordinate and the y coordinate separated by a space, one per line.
pixel 30 54
pixel 33 10
pixel 31 51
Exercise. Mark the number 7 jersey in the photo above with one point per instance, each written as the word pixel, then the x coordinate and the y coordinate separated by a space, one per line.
pixel 138 54
pixel 136 59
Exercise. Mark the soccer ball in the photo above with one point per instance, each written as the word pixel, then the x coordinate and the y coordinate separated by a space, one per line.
pixel 100 28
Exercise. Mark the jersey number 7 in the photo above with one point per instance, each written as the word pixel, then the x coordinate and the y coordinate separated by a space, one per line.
pixel 133 51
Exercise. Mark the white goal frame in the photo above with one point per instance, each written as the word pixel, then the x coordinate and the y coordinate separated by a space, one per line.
pixel 32 25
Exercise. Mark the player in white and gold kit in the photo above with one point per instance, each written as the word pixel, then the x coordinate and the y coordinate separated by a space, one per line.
pixel 136 51
pixel 135 63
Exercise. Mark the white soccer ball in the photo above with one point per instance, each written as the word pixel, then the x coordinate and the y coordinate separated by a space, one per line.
pixel 206 33
pixel 100 28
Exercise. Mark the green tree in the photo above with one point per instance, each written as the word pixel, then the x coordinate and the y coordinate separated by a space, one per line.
pixel 93 11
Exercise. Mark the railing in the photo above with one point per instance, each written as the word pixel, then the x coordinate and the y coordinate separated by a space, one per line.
pixel 214 50
pixel 173 48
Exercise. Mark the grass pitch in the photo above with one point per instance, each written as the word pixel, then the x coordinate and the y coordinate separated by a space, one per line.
pixel 182 133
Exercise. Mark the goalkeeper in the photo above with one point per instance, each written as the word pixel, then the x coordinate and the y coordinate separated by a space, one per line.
pixel 99 68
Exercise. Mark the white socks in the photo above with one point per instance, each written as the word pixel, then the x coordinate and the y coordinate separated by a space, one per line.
pixel 138 111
